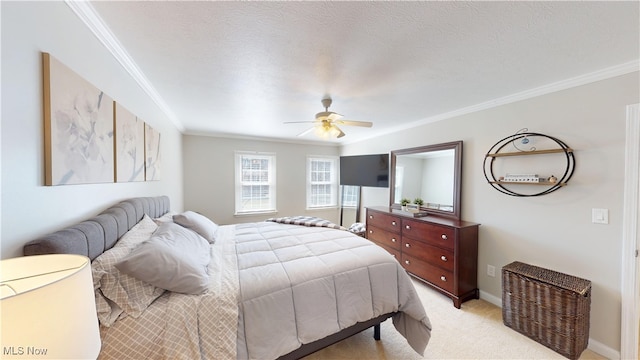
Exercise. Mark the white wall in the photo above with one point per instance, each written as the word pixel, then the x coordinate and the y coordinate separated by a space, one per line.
pixel 554 230
pixel 209 177
pixel 29 208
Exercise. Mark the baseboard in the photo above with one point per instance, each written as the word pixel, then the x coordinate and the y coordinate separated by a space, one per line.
pixel 594 345
pixel 603 349
pixel 491 299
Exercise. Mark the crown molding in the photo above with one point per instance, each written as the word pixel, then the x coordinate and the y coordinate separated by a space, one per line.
pixel 94 22
pixel 607 73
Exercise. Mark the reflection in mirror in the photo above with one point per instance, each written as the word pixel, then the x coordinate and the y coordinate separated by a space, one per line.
pixel 427 175
pixel 349 206
pixel 431 173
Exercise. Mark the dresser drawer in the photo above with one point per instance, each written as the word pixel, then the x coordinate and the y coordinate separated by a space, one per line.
pixel 435 275
pixel 383 237
pixel 433 255
pixel 384 221
pixel 440 236
pixel 441 252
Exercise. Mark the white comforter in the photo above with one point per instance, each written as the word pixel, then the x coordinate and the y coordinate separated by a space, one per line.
pixel 299 284
pixel 276 287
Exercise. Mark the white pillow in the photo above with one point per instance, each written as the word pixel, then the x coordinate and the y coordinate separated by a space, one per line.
pixel 198 223
pixel 174 258
pixel 168 217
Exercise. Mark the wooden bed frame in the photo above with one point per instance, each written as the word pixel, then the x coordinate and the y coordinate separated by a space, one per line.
pixel 96 235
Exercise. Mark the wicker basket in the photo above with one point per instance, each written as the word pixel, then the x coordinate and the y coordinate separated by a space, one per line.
pixel 549 307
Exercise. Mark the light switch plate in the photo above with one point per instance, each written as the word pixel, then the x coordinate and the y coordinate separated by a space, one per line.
pixel 600 216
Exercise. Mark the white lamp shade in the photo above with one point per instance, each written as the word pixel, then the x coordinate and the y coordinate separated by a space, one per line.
pixel 47 308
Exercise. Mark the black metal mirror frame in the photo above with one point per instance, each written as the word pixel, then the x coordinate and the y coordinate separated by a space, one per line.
pixel 457 178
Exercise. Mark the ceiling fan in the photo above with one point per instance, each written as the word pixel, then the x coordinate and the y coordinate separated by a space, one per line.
pixel 326 122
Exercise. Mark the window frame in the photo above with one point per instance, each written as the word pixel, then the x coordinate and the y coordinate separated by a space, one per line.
pixel 334 173
pixel 239 183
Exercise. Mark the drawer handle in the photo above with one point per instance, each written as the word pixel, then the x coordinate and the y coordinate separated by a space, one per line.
pixel 443 278
pixel 370 216
pixel 407 227
pixel 406 262
pixel 393 240
pixel 393 223
pixel 370 231
pixel 443 258
pixel 407 245
pixel 444 237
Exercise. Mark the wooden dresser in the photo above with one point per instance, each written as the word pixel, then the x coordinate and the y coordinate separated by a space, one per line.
pixel 439 251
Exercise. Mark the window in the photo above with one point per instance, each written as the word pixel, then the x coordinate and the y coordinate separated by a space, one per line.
pixel 255 182
pixel 322 182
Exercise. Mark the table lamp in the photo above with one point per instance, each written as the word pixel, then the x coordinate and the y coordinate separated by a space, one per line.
pixel 47 308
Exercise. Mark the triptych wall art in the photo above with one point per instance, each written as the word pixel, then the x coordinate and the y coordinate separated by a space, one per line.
pixel 88 137
pixel 129 140
pixel 152 153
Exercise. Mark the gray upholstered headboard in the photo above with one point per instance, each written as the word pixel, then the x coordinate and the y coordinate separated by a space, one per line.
pixel 94 236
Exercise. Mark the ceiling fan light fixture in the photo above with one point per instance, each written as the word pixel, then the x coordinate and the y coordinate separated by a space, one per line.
pixel 328 116
pixel 325 123
pixel 327 131
pixel 322 132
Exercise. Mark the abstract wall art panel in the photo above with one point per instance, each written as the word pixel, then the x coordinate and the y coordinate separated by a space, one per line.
pixel 152 153
pixel 78 128
pixel 129 142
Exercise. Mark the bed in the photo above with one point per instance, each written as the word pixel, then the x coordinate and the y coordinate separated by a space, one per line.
pixel 265 290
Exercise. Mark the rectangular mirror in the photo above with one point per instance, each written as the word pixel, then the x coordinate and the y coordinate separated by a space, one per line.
pixel 431 173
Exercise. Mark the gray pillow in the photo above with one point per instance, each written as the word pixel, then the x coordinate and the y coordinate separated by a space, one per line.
pixel 198 223
pixel 174 258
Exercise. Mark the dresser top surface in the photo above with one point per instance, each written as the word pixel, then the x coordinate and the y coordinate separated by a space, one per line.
pixel 431 219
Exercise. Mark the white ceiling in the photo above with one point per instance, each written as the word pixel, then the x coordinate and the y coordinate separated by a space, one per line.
pixel 244 68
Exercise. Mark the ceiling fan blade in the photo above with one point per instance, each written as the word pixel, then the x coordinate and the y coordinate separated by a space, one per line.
pixel 355 123
pixel 334 116
pixel 307 131
pixel 340 134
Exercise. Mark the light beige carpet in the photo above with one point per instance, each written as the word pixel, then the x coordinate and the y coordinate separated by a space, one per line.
pixel 475 331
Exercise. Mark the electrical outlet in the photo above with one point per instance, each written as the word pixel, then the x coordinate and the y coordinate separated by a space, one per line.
pixel 491 270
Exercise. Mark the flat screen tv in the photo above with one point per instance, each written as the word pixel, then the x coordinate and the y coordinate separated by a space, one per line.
pixel 365 170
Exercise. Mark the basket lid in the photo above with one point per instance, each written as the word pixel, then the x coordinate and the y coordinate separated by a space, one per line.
pixel 561 280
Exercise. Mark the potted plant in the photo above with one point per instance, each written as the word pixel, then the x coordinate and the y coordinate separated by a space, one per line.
pixel 404 203
pixel 418 201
